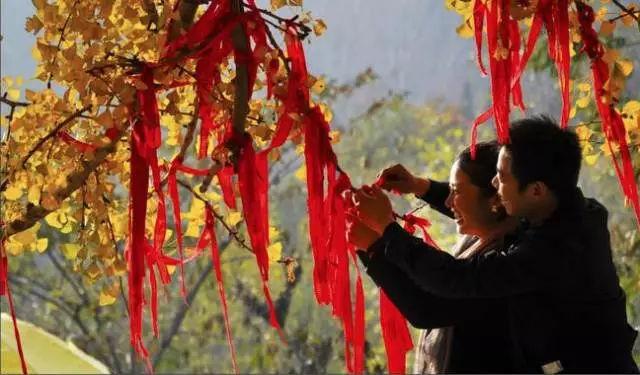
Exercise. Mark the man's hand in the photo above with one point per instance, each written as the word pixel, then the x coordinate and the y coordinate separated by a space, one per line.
pixel 399 180
pixel 360 235
pixel 373 208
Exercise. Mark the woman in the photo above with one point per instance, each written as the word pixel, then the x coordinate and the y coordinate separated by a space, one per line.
pixel 468 336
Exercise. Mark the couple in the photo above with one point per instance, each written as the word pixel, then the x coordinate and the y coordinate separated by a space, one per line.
pixel 532 286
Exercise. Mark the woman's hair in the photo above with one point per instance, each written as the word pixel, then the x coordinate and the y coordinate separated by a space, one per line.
pixel 482 169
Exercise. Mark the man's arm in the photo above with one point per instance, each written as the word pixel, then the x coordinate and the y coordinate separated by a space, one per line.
pixel 436 196
pixel 533 266
pixel 421 308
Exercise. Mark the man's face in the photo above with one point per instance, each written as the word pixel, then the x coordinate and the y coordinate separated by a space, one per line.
pixel 514 200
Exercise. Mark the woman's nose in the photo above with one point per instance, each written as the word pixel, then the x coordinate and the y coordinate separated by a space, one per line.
pixel 449 201
pixel 494 181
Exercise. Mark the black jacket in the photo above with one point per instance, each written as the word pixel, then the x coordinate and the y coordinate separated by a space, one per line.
pixel 480 342
pixel 563 296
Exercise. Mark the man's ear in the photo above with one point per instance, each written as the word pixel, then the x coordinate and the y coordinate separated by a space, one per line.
pixel 538 189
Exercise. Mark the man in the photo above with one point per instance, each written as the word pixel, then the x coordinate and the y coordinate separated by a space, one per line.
pixel 566 309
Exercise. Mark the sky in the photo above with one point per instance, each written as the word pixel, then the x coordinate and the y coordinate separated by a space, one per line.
pixel 410 44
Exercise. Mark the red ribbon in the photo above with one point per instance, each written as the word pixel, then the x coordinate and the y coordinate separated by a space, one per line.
pixel 145 140
pixel 78 145
pixel 412 223
pixel 209 237
pixel 5 290
pixel 612 123
pixel 397 339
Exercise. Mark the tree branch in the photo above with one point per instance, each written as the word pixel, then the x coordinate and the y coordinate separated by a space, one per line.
pixel 152 11
pixel 241 81
pixel 75 180
pixel 42 141
pixel 76 288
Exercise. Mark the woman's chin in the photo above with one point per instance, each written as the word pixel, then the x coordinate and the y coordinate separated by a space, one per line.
pixel 460 228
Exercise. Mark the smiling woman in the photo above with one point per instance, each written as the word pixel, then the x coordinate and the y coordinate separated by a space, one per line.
pixel 454 330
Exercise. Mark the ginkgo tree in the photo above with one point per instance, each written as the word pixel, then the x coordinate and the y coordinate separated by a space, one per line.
pixel 130 86
pixel 157 115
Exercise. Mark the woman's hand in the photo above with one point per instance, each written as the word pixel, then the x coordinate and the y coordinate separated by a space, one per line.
pixel 360 235
pixel 373 208
pixel 399 180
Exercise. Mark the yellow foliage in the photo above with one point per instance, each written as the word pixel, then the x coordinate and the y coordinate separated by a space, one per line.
pixel 275 252
pixel 319 27
pixel 70 250
pixel 26 241
pixel 233 218
pixel 13 193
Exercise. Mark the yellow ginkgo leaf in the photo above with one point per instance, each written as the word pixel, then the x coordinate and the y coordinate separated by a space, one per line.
pixel 591 159
pixel 13 94
pixel 277 4
pixel 583 132
pixel 35 53
pixel 326 111
pixel 318 86
pixel 171 269
pixel 319 27
pixel 193 230
pixel 301 173
pixel 67 227
pixel 233 218
pixel 93 271
pixel 464 30
pixel 583 102
pixel 14 247
pixel 70 250
pixel 106 298
pixel 625 66
pixel 607 27
pixel 41 244
pixel 33 196
pixel 628 20
pixel 275 252
pixel 631 107
pixel 584 87
pixel 273 233
pixel 12 193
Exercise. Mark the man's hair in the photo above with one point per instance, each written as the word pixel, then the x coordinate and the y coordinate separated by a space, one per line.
pixel 541 151
pixel 482 169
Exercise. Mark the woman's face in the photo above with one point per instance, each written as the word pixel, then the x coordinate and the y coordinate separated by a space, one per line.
pixel 471 210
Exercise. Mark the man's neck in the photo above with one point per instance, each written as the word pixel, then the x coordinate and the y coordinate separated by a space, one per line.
pixel 543 211
pixel 498 230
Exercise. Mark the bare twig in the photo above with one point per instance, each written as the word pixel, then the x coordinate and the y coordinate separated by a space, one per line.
pixel 624 14
pixel 76 288
pixel 232 232
pixel 12 103
pixel 302 30
pixel 627 10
